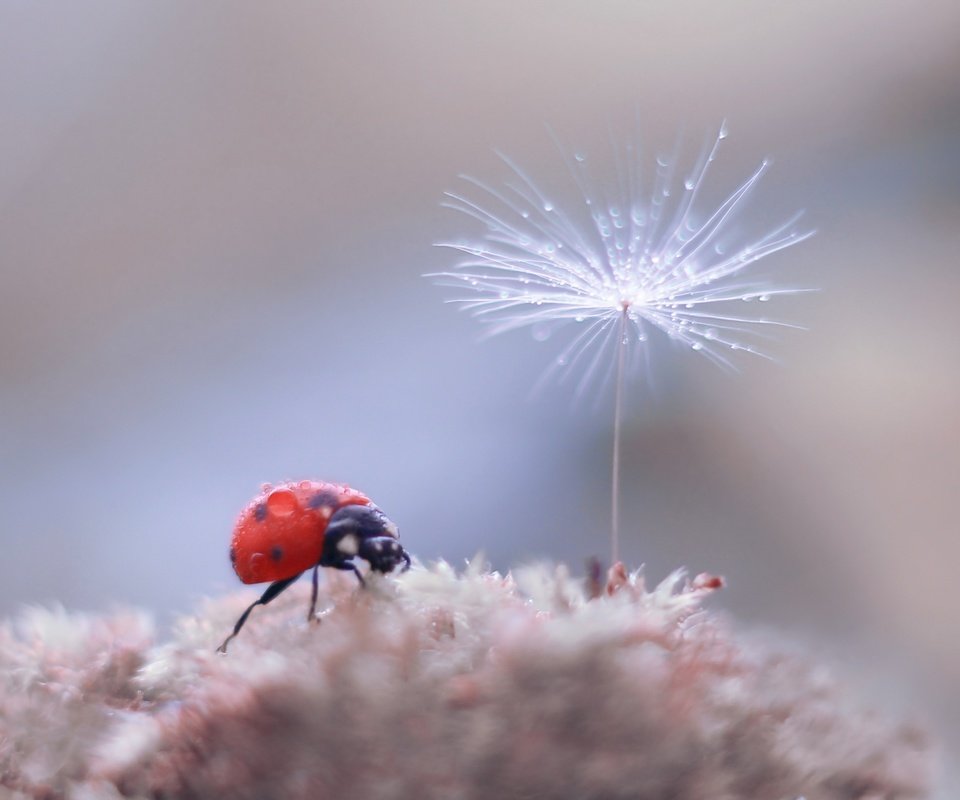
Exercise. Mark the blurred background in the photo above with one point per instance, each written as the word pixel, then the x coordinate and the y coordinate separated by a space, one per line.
pixel 214 219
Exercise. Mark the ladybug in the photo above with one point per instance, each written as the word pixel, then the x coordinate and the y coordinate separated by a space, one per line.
pixel 291 527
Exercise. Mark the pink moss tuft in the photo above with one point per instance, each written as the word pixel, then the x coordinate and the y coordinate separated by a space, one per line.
pixel 434 685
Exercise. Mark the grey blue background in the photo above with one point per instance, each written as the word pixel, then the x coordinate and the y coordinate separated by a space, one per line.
pixel 214 218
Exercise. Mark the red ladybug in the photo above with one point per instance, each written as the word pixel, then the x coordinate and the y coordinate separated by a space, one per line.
pixel 289 528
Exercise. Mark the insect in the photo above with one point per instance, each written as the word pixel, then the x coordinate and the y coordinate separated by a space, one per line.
pixel 291 527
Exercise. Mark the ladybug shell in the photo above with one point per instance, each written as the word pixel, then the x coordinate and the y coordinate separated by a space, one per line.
pixel 280 533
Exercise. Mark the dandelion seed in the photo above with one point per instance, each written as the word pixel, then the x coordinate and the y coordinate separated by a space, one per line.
pixel 647 260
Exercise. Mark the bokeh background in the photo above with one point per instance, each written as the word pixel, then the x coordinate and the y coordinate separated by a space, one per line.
pixel 214 218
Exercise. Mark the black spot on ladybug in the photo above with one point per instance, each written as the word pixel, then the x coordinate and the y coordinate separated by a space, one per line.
pixel 276 552
pixel 260 512
pixel 321 499
pixel 233 556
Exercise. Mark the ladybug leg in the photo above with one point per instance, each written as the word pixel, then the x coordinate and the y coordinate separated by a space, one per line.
pixel 272 591
pixel 312 613
pixel 346 566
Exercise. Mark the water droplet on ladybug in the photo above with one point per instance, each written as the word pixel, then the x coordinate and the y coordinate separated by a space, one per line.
pixel 282 502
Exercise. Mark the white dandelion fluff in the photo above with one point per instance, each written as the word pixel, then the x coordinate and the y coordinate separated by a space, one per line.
pixel 648 260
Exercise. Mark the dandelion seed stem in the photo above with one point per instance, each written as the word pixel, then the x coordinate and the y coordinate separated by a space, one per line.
pixel 617 424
